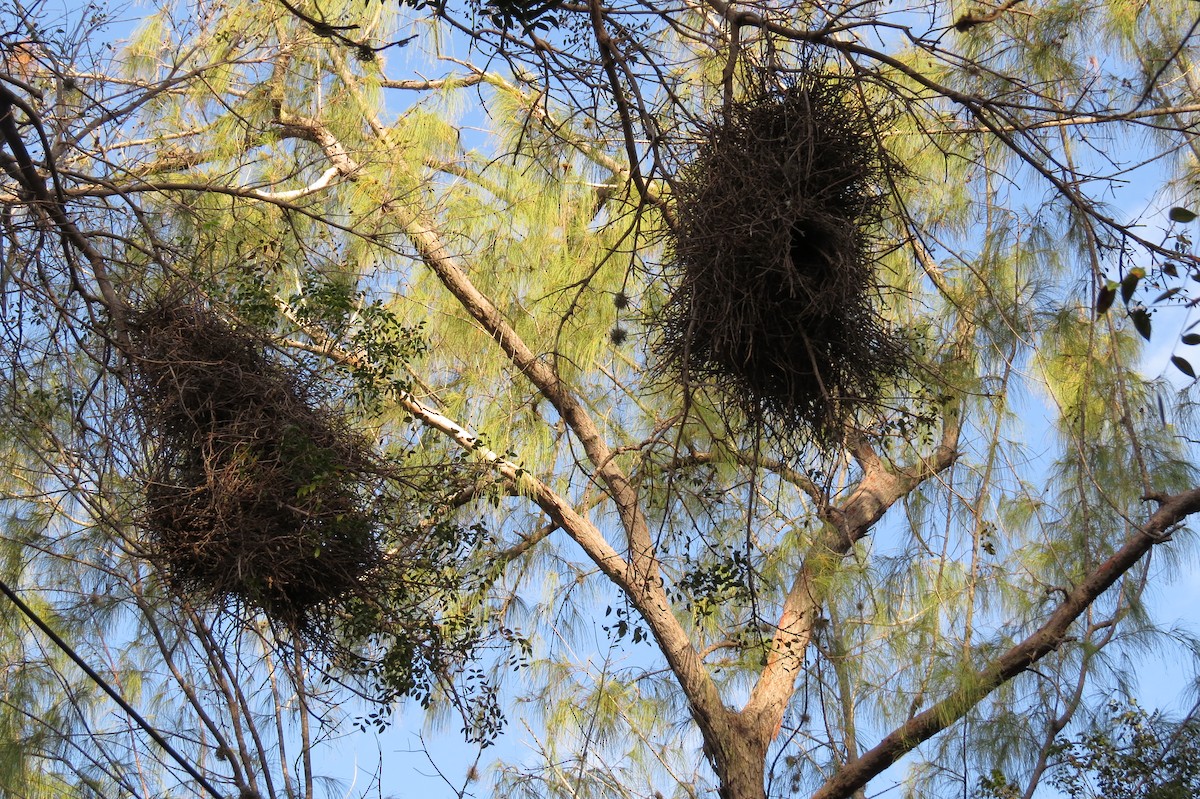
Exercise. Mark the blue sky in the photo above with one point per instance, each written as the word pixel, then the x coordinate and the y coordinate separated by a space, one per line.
pixel 404 752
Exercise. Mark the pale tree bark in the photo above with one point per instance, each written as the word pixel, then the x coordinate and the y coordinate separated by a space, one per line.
pixel 1047 638
pixel 737 739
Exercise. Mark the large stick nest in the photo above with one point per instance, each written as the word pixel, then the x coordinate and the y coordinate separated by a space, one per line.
pixel 773 308
pixel 256 490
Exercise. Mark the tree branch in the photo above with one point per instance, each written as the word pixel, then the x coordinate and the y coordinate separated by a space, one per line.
pixel 639 577
pixel 561 512
pixel 442 83
pixel 880 487
pixel 1045 639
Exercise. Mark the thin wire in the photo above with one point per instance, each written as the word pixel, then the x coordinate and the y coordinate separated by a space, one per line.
pixel 108 689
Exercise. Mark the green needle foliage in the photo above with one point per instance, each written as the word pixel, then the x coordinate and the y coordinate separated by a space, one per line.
pixel 704 399
pixel 1128 753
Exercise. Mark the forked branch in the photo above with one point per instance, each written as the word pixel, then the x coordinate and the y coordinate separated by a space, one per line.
pixel 1047 638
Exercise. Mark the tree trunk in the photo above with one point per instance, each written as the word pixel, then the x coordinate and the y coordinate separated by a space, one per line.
pixel 737 749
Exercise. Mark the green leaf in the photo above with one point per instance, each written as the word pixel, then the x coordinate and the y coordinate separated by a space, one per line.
pixel 1178 214
pixel 1168 294
pixel 1182 365
pixel 1141 322
pixel 1191 339
pixel 1108 293
pixel 1130 283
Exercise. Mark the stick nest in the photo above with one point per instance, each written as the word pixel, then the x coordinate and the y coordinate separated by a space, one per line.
pixel 256 491
pixel 775 287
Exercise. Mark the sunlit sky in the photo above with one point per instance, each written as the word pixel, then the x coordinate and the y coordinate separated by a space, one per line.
pixel 409 754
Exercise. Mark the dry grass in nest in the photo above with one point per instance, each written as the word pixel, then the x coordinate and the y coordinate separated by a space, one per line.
pixel 773 309
pixel 256 492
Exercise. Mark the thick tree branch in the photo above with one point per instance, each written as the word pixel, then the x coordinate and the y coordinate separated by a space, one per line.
pixel 1020 658
pixel 638 577
pixel 438 257
pixel 441 83
pixel 880 487
pixel 642 582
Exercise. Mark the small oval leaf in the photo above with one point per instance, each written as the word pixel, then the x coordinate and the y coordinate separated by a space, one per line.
pixel 1191 339
pixel 1104 300
pixel 1182 365
pixel 1178 214
pixel 1168 294
pixel 1129 284
pixel 1170 269
pixel 1141 322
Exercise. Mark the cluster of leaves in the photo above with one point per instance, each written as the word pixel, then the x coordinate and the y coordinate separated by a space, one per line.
pixel 625 621
pixel 1138 755
pixel 707 586
pixel 522 15
pixel 414 640
pixel 382 344
pixel 525 15
pixel 1131 754
pixel 1137 278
